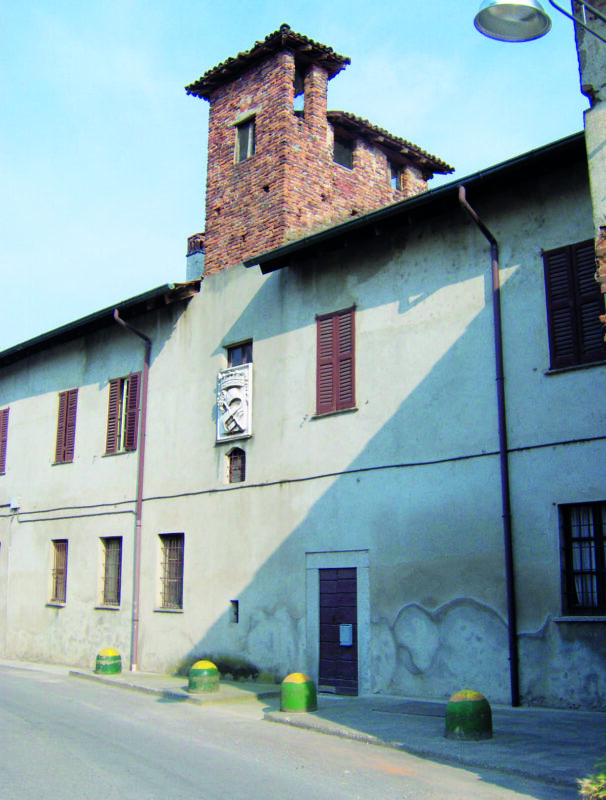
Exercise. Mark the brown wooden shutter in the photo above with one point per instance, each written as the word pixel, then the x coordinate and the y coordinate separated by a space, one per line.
pixel 345 378
pixel 60 446
pixel 563 344
pixel 70 424
pixel 3 438
pixel 335 368
pixel 325 395
pixel 590 303
pixel 113 416
pixel 574 304
pixel 132 411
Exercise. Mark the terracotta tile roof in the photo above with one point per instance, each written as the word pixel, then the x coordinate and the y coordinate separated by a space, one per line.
pixel 282 39
pixel 389 142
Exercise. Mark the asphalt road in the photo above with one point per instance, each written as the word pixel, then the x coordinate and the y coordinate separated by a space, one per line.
pixel 64 738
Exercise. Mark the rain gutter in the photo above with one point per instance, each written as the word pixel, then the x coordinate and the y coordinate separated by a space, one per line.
pixel 134 648
pixel 503 452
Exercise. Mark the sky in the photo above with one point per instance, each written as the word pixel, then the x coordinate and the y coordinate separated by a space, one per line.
pixel 103 154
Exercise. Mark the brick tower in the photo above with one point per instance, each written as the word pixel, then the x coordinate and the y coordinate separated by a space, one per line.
pixel 279 164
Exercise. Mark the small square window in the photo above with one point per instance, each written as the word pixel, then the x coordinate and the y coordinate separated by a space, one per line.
pixel 239 354
pixel 343 151
pixel 245 139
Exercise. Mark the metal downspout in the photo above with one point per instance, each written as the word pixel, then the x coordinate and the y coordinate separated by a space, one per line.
pixel 503 452
pixel 134 646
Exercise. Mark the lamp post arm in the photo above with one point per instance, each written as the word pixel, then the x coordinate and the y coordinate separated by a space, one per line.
pixel 586 5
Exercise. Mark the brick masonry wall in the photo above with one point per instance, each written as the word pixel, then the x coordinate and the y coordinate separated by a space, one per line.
pixel 290 186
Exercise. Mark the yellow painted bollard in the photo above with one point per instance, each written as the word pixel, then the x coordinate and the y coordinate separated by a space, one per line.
pixel 468 717
pixel 203 677
pixel 108 662
pixel 298 693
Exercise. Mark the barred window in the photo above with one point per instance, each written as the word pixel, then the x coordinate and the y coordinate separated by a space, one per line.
pixel 171 581
pixel 237 465
pixel 59 571
pixel 583 558
pixel 112 570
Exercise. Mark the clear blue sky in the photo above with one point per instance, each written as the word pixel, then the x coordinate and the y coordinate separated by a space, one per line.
pixel 103 155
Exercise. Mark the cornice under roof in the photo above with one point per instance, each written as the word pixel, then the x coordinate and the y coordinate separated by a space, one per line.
pixel 282 39
pixel 134 306
pixel 382 138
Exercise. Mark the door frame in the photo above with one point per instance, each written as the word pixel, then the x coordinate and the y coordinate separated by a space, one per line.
pixel 338 559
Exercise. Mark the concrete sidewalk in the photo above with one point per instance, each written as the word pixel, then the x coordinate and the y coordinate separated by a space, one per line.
pixel 551 746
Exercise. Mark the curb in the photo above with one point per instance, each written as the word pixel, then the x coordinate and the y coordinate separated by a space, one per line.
pixel 454 759
pixel 177 695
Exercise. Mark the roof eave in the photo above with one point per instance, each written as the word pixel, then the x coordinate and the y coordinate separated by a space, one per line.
pixel 419 206
pixel 132 307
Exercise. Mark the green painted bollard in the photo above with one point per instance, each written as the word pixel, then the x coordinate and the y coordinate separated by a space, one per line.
pixel 298 693
pixel 108 662
pixel 203 677
pixel 468 717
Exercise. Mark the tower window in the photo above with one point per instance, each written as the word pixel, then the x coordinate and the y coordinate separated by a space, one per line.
pixel 343 151
pixel 245 139
pixel 395 176
pixel 299 82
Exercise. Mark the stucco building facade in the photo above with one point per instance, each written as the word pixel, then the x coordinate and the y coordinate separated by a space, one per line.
pixel 322 485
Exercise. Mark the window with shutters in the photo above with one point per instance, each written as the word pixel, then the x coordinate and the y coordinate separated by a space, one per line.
pixel 112 570
pixel 335 381
pixel 3 439
pixel 66 426
pixel 123 414
pixel 583 528
pixel 574 304
pixel 171 571
pixel 58 591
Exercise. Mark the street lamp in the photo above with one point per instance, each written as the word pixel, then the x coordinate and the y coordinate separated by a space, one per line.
pixel 525 20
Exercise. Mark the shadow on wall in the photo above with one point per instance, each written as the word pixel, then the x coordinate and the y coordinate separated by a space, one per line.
pixel 422 497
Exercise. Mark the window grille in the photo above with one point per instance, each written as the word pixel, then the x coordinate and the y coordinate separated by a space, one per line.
pixel 112 570
pixel 171 590
pixel 59 571
pixel 237 465
pixel 584 567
